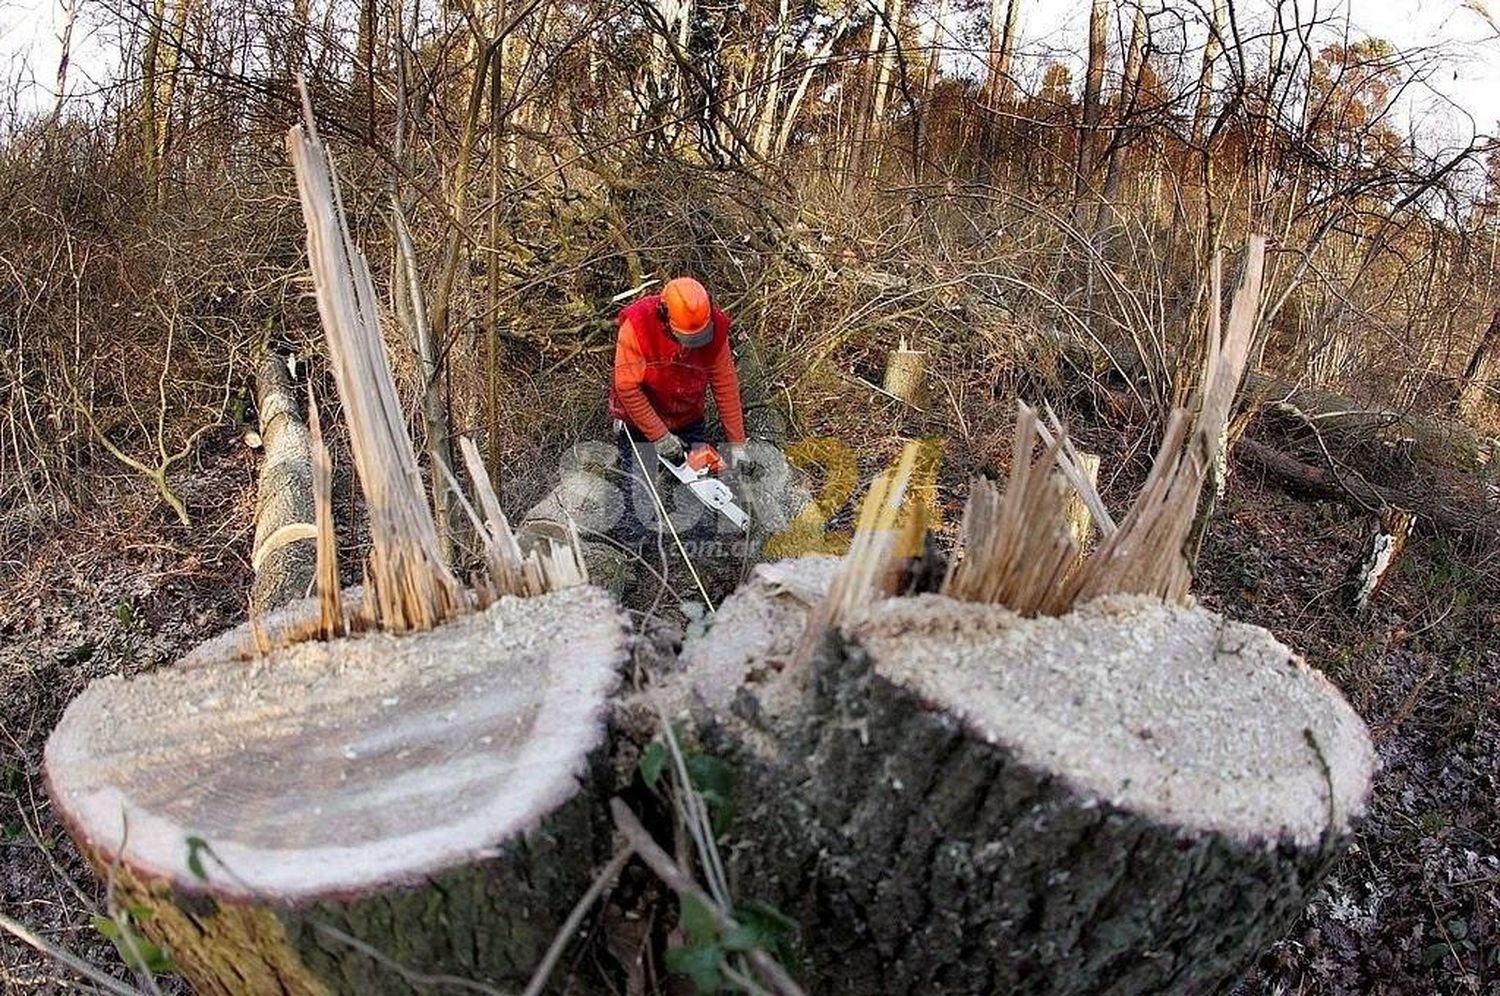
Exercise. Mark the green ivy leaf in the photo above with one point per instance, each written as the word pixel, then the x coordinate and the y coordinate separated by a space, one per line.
pixel 763 926
pixel 698 922
pixel 743 938
pixel 720 811
pixel 701 965
pixel 714 780
pixel 138 953
pixel 709 774
pixel 194 861
pixel 653 760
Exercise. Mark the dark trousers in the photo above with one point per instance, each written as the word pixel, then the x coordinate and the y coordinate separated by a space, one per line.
pixel 641 520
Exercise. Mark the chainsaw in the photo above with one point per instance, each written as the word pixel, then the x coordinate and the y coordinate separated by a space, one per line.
pixel 696 471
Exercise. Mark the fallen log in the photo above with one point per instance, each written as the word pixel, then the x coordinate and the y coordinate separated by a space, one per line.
pixel 1472 518
pixel 1372 434
pixel 281 553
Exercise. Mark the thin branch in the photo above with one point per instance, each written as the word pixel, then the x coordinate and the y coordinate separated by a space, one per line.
pixel 680 882
pixel 63 957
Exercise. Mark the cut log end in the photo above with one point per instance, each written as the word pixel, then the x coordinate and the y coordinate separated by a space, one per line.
pixel 344 767
pixel 1170 712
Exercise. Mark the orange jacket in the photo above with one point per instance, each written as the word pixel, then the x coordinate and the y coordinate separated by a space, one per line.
pixel 661 385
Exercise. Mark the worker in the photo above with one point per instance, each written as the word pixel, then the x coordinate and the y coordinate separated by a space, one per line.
pixel 671 348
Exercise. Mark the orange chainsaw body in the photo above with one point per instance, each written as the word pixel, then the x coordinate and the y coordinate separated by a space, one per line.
pixel 705 459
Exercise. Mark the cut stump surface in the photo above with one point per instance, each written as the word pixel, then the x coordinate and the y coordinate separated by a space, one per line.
pixel 428 801
pixel 1133 798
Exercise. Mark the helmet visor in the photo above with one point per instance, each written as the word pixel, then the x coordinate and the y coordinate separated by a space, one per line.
pixel 694 340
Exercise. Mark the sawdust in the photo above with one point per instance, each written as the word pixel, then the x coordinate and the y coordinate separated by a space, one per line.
pixel 1170 711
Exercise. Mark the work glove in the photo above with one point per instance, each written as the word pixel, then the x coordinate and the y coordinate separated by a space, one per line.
pixel 669 446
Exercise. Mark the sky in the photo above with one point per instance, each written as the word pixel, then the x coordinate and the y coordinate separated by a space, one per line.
pixel 1461 97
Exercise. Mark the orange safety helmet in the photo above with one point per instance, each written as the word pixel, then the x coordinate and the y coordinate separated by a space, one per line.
pixel 689 311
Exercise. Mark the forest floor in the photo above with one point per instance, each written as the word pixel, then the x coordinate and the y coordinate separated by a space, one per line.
pixel 119 587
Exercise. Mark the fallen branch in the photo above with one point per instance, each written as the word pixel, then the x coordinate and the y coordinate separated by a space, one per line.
pixel 1469 520
pixel 67 959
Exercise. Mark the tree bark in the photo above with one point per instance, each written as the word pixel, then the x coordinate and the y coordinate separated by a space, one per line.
pixel 889 24
pixel 1093 85
pixel 1126 102
pixel 771 98
pixel 282 552
pixel 1211 49
pixel 1471 386
pixel 1002 46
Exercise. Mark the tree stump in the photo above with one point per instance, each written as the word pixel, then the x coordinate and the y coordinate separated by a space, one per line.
pixel 906 374
pixel 1080 519
pixel 1133 798
pixel 347 816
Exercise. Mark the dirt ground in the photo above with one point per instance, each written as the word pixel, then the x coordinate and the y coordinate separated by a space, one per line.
pixel 120 587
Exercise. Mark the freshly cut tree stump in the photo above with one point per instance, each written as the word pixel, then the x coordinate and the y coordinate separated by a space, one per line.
pixel 906 374
pixel 431 797
pixel 1135 797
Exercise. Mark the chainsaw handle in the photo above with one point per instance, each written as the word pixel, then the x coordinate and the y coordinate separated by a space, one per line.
pixel 703 458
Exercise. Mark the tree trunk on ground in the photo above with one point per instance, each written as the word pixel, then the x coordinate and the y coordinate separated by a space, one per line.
pixel 1362 430
pixel 1468 517
pixel 282 553
pixel 1134 798
pixel 420 794
pixel 1324 445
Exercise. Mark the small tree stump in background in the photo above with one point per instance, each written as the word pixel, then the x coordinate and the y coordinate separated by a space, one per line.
pixel 1381 554
pixel 906 374
pixel 1080 520
pixel 431 795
